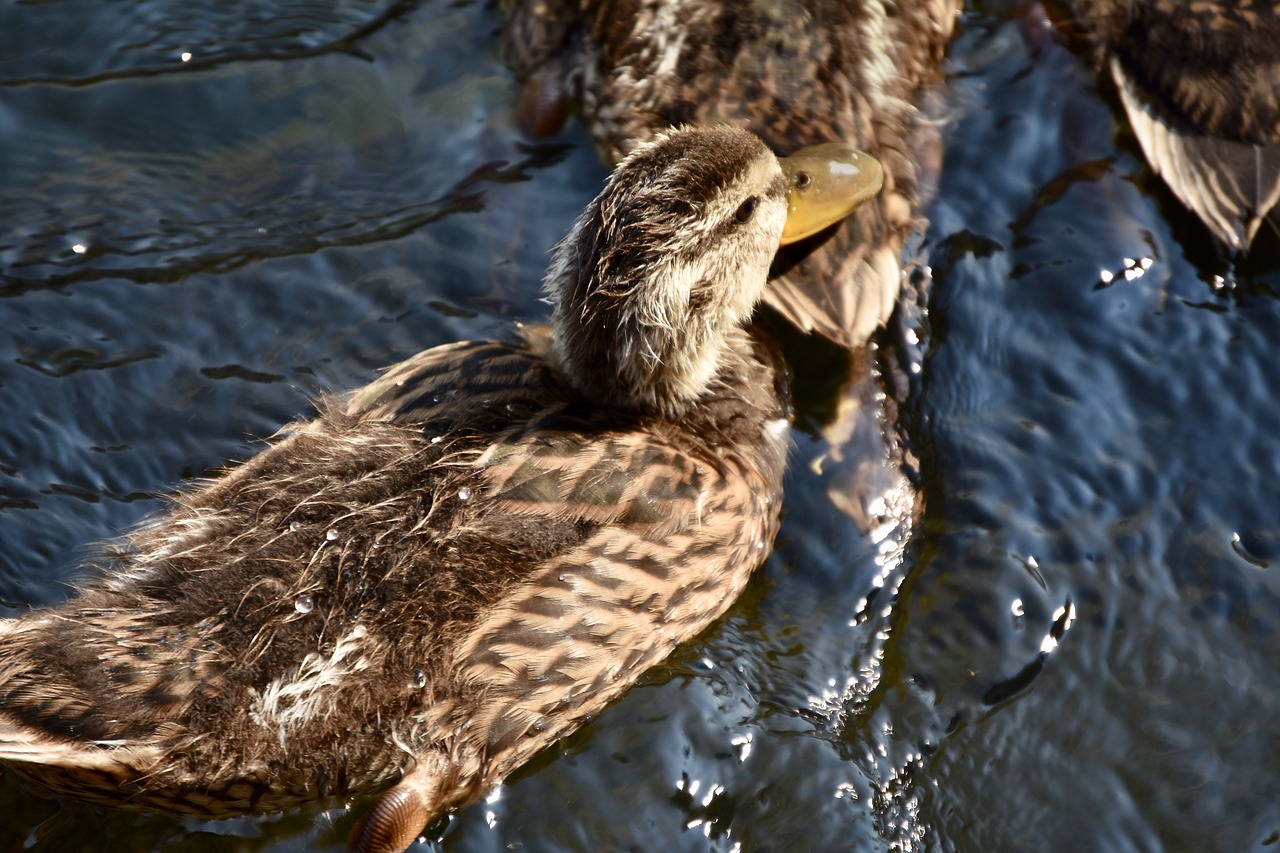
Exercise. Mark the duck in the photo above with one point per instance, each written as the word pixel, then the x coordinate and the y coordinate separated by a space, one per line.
pixel 796 73
pixel 444 572
pixel 1200 86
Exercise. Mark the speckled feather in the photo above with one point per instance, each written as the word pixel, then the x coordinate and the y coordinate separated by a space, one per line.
pixel 795 72
pixel 577 523
pixel 434 579
pixel 1212 66
pixel 1201 85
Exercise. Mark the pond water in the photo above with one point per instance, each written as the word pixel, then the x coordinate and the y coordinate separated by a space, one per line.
pixel 212 214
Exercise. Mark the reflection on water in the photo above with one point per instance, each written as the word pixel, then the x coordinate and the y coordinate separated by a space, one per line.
pixel 75 44
pixel 1075 646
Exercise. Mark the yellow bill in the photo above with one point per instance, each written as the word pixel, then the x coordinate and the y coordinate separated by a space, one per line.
pixel 827 183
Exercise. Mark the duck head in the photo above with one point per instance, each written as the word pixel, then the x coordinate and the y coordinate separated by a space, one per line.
pixel 661 269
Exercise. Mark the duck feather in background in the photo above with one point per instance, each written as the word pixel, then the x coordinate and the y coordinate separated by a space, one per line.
pixel 1200 84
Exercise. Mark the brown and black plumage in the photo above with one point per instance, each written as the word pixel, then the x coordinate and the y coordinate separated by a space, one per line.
pixel 1200 83
pixel 795 72
pixel 449 569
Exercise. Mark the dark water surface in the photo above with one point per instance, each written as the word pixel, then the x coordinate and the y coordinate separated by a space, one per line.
pixel 1077 647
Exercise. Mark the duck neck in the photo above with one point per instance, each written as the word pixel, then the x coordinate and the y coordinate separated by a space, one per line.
pixel 632 328
pixel 636 353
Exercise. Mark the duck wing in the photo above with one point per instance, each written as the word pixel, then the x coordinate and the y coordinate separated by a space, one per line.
pixel 1232 186
pixel 1200 83
pixel 672 519
pixel 448 569
pixel 469 384
pixel 85 696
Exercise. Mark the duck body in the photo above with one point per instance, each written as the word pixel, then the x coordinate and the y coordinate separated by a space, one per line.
pixel 1200 84
pixel 403 577
pixel 795 72
pixel 454 566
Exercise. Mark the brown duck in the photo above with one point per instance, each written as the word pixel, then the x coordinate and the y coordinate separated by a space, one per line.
pixel 451 568
pixel 795 72
pixel 1200 83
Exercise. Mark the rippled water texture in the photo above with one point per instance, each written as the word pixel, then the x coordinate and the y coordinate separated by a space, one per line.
pixel 214 212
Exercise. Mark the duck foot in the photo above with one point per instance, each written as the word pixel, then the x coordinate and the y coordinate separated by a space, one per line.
pixel 399 814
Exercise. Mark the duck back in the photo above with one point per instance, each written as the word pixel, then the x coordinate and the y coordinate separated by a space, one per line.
pixel 451 567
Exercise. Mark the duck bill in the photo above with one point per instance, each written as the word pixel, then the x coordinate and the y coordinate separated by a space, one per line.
pixel 826 183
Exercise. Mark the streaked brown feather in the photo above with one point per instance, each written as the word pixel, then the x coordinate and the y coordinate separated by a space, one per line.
pixel 795 72
pixel 413 570
pixel 1200 83
pixel 446 570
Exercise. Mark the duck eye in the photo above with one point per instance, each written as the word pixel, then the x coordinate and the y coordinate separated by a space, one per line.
pixel 746 210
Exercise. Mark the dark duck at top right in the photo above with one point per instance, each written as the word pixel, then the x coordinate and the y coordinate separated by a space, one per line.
pixel 1200 83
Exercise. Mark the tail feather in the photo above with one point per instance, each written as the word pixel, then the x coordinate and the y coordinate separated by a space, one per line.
pixel 1232 186
pixel 22 744
pixel 27 694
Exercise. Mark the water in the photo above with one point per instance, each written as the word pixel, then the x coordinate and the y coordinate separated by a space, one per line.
pixel 1075 645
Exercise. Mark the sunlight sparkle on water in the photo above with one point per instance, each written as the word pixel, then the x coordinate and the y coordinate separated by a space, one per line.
pixel 1064 615
pixel 1131 269
pixel 490 815
pixel 846 790
pixel 1135 268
